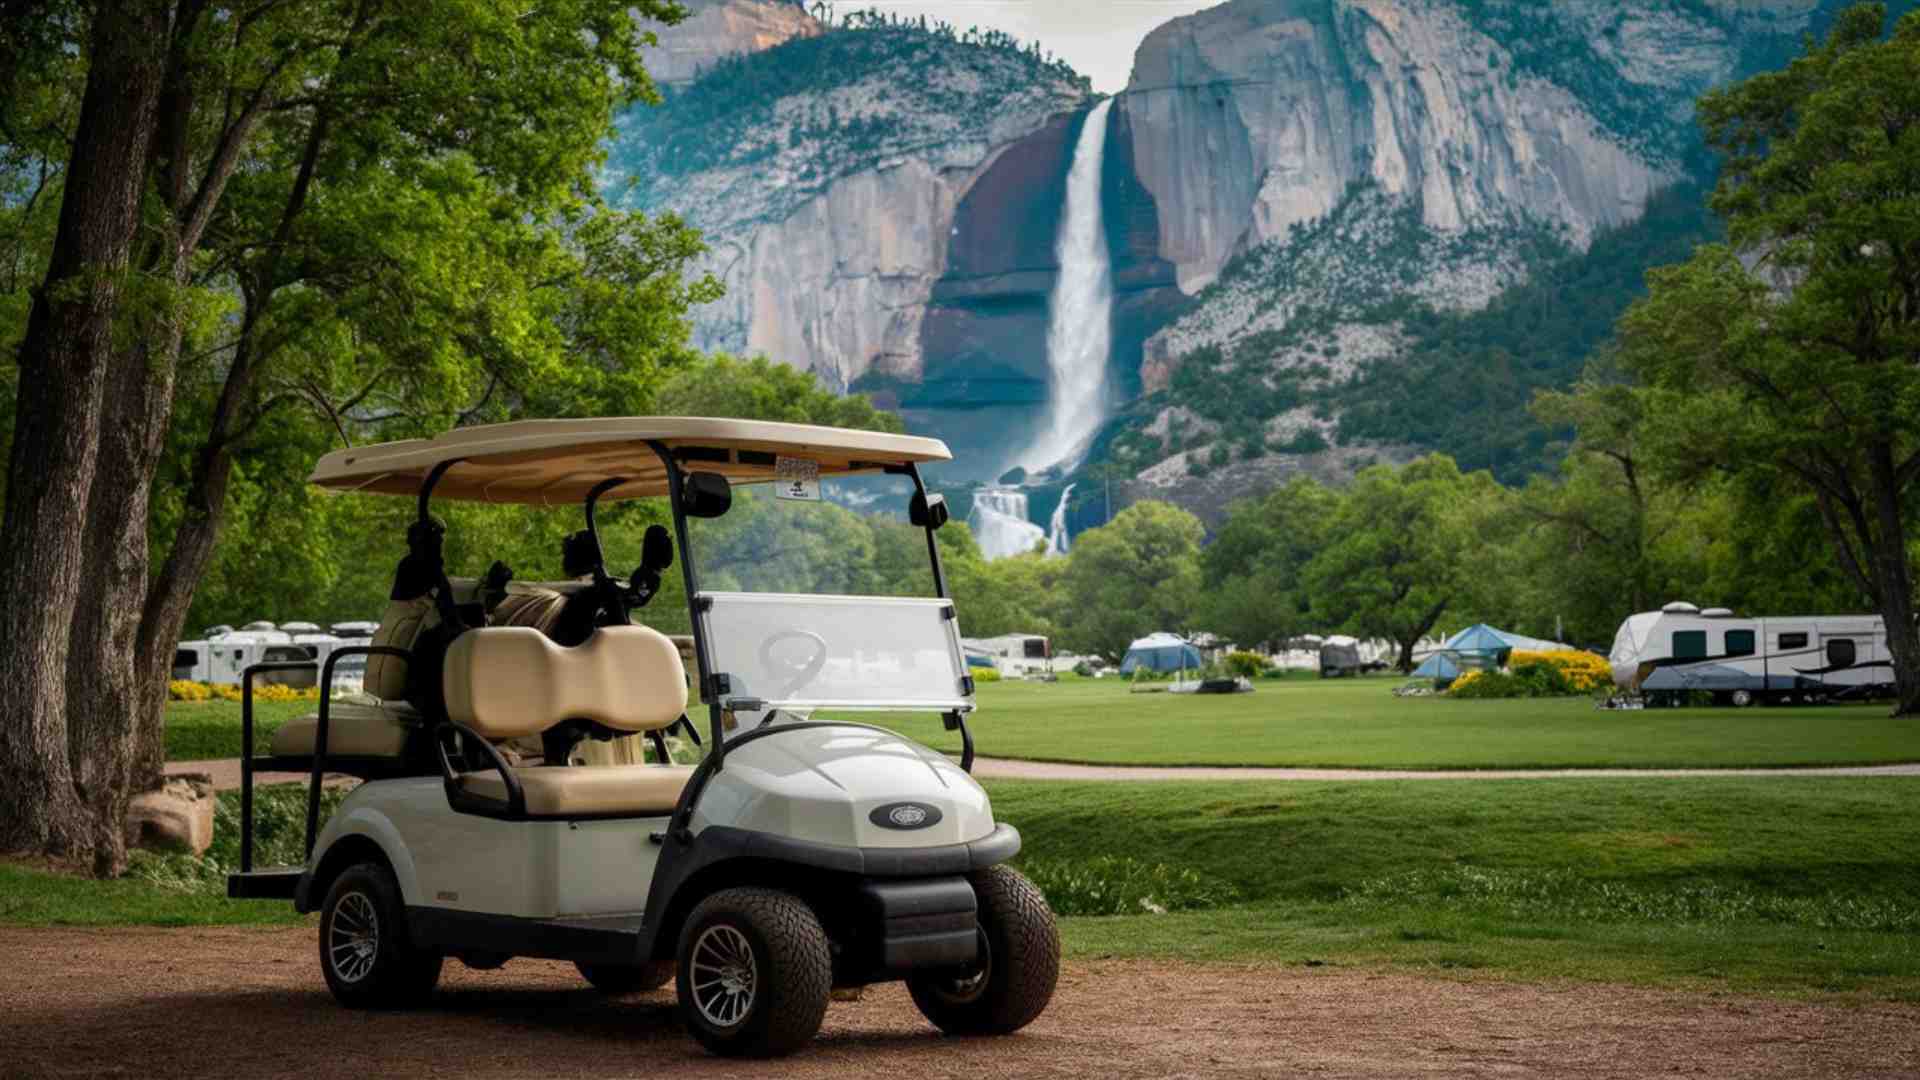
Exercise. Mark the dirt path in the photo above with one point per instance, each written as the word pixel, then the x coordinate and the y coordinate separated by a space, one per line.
pixel 226 773
pixel 248 1002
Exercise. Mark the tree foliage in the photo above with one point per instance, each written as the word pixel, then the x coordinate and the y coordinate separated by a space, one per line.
pixel 1795 347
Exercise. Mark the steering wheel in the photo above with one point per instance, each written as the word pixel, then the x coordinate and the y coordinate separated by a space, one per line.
pixel 797 674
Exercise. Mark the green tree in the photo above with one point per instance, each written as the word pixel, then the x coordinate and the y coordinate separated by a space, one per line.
pixel 1404 548
pixel 351 180
pixel 1795 348
pixel 1252 572
pixel 760 389
pixel 1139 574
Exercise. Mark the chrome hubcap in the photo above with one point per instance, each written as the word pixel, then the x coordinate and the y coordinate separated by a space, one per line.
pixel 353 939
pixel 724 975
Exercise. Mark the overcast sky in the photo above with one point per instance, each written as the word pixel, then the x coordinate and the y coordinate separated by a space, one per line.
pixel 1096 36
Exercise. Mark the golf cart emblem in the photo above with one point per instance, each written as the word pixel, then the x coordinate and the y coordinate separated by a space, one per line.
pixel 905 815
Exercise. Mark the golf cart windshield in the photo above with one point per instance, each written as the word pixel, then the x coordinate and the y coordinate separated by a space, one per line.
pixel 826 603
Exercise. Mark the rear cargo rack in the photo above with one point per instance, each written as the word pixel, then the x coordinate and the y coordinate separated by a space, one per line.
pixel 280 883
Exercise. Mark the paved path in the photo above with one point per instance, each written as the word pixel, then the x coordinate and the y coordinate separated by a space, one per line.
pixel 1010 769
pixel 226 773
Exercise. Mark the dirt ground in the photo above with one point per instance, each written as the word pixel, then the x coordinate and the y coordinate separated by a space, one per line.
pixel 250 1002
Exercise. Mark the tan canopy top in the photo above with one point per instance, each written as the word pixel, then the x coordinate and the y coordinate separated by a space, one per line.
pixel 558 461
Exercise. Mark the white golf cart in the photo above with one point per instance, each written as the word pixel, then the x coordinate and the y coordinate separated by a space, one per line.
pixel 509 806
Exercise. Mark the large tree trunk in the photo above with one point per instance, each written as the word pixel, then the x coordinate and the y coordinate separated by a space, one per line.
pixel 171 596
pixel 109 669
pixel 56 437
pixel 1893 579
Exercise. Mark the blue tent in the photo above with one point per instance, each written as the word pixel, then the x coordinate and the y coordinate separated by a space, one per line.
pixel 1489 642
pixel 1159 652
pixel 1440 665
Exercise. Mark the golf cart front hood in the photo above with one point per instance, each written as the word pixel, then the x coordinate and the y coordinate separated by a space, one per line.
pixel 847 785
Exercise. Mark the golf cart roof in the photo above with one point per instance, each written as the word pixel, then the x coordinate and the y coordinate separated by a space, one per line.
pixel 560 461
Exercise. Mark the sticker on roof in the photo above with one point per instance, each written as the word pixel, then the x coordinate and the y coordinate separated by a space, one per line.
pixel 796 478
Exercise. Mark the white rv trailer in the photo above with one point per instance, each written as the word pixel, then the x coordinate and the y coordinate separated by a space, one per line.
pixel 1664 654
pixel 220 658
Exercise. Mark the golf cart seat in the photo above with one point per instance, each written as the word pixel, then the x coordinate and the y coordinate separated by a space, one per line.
pixel 512 682
pixel 358 726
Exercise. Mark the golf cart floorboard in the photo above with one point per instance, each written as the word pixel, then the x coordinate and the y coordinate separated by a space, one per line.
pixel 604 939
pixel 276 883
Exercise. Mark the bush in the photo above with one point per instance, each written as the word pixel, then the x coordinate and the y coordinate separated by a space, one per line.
pixel 1246 664
pixel 1123 885
pixel 1584 672
pixel 984 674
pixel 1534 674
pixel 188 690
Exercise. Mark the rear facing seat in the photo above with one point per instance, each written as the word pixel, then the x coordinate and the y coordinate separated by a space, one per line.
pixel 358 725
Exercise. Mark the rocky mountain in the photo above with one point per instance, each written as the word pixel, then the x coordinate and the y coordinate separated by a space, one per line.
pixel 1332 224
pixel 827 172
pixel 717 29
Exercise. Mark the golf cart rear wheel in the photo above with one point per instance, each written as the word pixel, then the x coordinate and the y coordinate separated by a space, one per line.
pixel 754 973
pixel 365 951
pixel 1012 981
pixel 627 978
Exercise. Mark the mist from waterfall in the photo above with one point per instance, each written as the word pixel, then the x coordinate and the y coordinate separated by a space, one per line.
pixel 1000 524
pixel 1080 312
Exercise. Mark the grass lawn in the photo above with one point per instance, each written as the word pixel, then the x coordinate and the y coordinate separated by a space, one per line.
pixel 1359 723
pixel 1769 885
pixel 1309 722
pixel 1785 885
pixel 199 730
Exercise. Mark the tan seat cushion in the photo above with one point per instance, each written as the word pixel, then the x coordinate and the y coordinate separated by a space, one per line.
pixel 354 729
pixel 508 681
pixel 554 790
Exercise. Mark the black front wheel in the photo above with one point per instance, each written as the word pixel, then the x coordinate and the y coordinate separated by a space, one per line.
pixel 755 973
pixel 365 951
pixel 1010 983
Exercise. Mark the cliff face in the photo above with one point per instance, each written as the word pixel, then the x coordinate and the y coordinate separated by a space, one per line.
pixel 1257 116
pixel 826 174
pixel 1323 168
pixel 716 29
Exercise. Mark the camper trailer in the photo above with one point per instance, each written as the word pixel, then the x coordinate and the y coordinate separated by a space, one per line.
pixel 1665 654
pixel 225 653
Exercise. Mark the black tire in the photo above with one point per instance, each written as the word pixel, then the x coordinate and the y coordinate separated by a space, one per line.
pixel 772 953
pixel 627 978
pixel 1019 962
pixel 365 952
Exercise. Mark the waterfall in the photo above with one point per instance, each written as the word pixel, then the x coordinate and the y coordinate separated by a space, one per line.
pixel 999 522
pixel 1057 528
pixel 1080 312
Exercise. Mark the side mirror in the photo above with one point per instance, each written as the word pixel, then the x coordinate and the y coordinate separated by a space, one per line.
pixel 656 549
pixel 927 511
pixel 705 495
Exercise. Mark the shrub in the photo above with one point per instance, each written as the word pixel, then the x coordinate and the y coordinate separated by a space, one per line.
pixel 1583 671
pixel 187 690
pixel 1562 673
pixel 1247 664
pixel 1122 885
pixel 984 674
